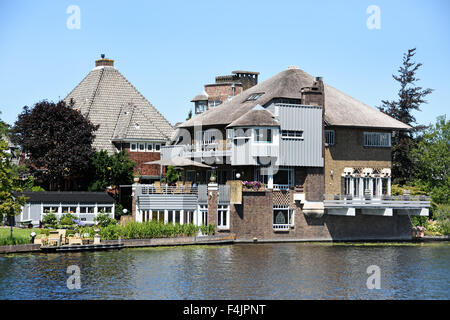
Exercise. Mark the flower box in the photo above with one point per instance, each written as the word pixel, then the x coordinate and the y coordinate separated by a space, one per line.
pixel 254 186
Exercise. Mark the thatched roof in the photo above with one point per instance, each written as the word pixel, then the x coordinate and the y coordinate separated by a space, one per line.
pixel 200 97
pixel 255 117
pixel 340 108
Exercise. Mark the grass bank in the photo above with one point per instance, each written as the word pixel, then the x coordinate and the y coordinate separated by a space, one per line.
pixel 20 235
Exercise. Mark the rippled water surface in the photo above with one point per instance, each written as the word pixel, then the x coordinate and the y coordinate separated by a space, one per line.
pixel 240 271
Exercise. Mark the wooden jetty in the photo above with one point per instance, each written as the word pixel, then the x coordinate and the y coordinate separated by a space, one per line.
pixel 82 247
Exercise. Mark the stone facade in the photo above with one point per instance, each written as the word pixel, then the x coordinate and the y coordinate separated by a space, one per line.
pixel 349 151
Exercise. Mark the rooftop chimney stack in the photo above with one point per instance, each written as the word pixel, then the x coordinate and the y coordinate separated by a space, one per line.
pixel 314 95
pixel 104 62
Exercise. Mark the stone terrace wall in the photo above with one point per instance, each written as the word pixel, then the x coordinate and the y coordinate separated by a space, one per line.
pixel 253 219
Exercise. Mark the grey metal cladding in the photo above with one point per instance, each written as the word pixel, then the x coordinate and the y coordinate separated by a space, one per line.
pixel 308 150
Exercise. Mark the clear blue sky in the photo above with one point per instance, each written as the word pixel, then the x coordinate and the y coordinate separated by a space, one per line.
pixel 169 49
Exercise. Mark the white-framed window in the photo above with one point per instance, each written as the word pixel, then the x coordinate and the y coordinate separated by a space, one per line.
pixel 105 209
pixel 263 135
pixel 141 147
pixel 133 146
pixel 377 139
pixel 157 147
pixel 223 216
pixel 330 137
pixel 71 210
pixel 149 147
pixel 50 209
pixel 283 217
pixel 203 214
pixel 87 209
pixel 292 134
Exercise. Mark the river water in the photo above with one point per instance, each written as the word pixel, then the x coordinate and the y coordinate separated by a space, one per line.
pixel 240 271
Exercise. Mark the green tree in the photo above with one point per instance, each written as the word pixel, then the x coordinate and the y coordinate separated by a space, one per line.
pixel 58 140
pixel 10 198
pixel 110 170
pixel 410 98
pixel 172 174
pixel 432 161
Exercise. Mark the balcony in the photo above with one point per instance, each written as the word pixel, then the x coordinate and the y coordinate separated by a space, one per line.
pixel 384 205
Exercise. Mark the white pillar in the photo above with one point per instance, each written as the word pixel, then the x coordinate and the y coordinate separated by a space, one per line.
pixel 181 216
pixel 166 216
pixel 380 187
pixel 352 186
pixel 270 178
pixel 389 186
pixel 361 187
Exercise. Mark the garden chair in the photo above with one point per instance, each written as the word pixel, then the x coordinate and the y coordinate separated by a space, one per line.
pixel 187 186
pixel 157 186
pixel 54 238
pixel 74 240
pixel 179 187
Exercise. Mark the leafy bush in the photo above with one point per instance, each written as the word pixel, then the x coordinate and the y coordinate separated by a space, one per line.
pixel 67 221
pixel 104 220
pixel 50 220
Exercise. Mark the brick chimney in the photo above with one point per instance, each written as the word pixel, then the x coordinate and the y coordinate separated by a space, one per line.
pixel 104 62
pixel 314 95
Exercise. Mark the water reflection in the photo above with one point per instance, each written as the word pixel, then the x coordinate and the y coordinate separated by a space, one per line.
pixel 244 271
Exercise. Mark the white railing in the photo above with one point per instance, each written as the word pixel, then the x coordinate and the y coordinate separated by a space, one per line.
pixel 404 201
pixel 281 227
pixel 281 186
pixel 165 189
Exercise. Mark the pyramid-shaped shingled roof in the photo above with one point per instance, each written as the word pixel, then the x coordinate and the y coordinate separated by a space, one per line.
pixel 108 99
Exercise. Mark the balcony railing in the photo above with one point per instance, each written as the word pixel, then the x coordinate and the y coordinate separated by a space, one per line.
pixel 385 201
pixel 165 189
pixel 221 148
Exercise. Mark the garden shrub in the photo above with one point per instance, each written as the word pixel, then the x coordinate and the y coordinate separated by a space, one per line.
pixel 50 220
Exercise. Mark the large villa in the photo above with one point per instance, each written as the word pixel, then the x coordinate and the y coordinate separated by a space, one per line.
pixel 290 158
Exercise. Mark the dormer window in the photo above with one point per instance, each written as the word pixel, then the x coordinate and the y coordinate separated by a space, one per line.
pixel 254 96
pixel 200 106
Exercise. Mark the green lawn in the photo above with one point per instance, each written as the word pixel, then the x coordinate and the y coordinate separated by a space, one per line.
pixel 20 235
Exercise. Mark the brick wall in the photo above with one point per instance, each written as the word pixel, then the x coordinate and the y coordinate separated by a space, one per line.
pixel 221 92
pixel 254 218
pixel 140 158
pixel 349 151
